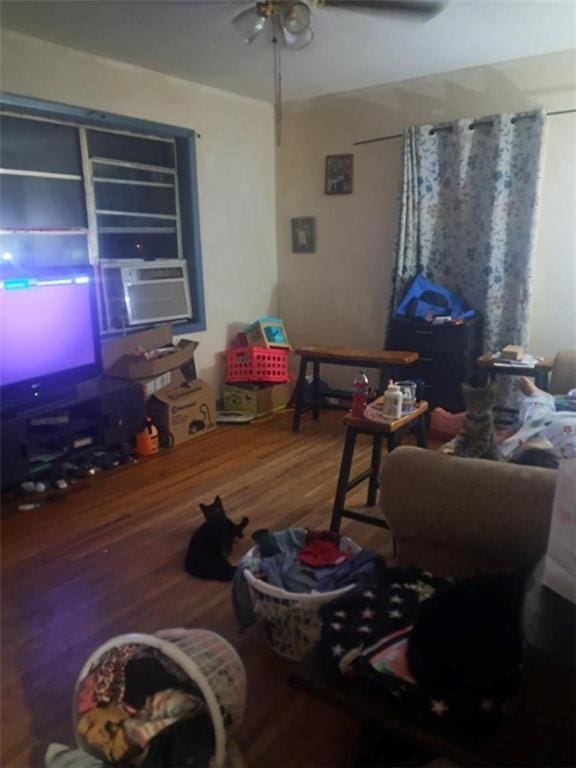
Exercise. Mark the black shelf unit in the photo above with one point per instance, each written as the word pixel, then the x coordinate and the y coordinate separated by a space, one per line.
pixel 107 411
pixel 448 356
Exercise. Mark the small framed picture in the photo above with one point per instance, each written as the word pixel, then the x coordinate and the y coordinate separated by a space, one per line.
pixel 339 174
pixel 304 234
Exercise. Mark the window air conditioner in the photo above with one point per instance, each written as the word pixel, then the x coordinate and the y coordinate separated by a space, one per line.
pixel 139 292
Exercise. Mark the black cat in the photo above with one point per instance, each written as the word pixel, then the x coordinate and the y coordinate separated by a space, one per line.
pixel 211 544
pixel 468 637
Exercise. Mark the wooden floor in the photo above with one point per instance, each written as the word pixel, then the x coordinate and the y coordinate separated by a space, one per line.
pixel 106 557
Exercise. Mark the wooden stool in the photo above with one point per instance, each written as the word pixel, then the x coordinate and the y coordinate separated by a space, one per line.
pixel 386 361
pixel 392 431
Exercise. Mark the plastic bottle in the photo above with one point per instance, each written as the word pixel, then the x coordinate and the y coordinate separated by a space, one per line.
pixel 360 388
pixel 147 443
pixel 392 405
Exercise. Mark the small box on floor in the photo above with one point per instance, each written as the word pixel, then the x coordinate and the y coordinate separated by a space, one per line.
pixel 183 412
pixel 257 399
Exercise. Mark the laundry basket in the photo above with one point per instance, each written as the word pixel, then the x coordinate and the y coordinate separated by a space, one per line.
pixel 292 619
pixel 210 662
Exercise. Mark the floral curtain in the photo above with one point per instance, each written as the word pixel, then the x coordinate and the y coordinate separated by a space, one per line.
pixel 468 211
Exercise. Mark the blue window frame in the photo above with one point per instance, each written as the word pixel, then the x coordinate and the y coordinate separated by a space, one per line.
pixel 97 232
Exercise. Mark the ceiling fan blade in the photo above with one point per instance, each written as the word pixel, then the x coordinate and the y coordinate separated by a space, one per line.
pixel 425 9
pixel 248 24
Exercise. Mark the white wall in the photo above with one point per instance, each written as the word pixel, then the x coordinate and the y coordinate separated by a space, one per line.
pixel 340 294
pixel 236 168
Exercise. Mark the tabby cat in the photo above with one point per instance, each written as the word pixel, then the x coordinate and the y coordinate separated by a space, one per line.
pixel 211 544
pixel 477 438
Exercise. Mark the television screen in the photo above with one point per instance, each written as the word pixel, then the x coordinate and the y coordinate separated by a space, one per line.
pixel 48 326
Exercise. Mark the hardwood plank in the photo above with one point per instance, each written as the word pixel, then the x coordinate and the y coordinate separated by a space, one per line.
pixel 106 557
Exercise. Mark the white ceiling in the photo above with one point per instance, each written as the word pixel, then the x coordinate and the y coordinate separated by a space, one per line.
pixel 193 39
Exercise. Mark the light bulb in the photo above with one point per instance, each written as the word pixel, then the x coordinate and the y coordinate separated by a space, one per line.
pixel 297 18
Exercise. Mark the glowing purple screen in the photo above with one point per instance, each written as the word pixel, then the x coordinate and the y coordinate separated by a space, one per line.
pixel 43 330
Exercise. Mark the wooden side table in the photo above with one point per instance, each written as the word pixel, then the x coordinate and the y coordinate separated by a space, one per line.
pixel 539 371
pixel 388 362
pixel 392 431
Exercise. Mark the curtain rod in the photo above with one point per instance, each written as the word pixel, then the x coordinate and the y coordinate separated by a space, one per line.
pixel 472 125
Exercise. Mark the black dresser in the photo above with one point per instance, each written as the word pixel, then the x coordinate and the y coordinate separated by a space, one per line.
pixel 447 356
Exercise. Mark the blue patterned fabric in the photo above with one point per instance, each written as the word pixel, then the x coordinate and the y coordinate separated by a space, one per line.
pixel 468 210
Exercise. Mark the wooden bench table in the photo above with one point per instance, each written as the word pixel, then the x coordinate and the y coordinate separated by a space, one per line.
pixel 388 362
pixel 392 431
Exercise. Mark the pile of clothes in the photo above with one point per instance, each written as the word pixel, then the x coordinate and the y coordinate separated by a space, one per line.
pixel 301 561
pixel 136 707
pixel 449 650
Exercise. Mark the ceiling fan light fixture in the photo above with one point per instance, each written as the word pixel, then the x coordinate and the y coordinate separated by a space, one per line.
pixel 248 24
pixel 296 42
pixel 296 18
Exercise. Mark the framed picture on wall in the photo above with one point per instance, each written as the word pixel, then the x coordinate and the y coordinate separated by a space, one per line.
pixel 339 174
pixel 304 234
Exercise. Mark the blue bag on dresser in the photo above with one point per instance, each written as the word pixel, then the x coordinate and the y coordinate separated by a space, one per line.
pixel 424 297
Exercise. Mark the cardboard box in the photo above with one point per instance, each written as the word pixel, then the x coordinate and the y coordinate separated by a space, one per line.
pixel 114 349
pixel 164 381
pixel 183 412
pixel 137 367
pixel 170 370
pixel 267 332
pixel 241 398
pixel 257 399
pixel 512 352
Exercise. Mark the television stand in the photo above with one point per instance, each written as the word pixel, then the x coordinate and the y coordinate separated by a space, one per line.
pixel 97 415
pixel 37 397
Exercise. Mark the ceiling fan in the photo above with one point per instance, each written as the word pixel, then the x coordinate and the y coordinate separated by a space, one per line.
pixel 288 24
pixel 293 18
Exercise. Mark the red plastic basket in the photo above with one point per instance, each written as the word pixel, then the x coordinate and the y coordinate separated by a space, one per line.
pixel 257 364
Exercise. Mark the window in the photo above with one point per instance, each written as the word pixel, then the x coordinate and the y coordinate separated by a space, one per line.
pixel 78 187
